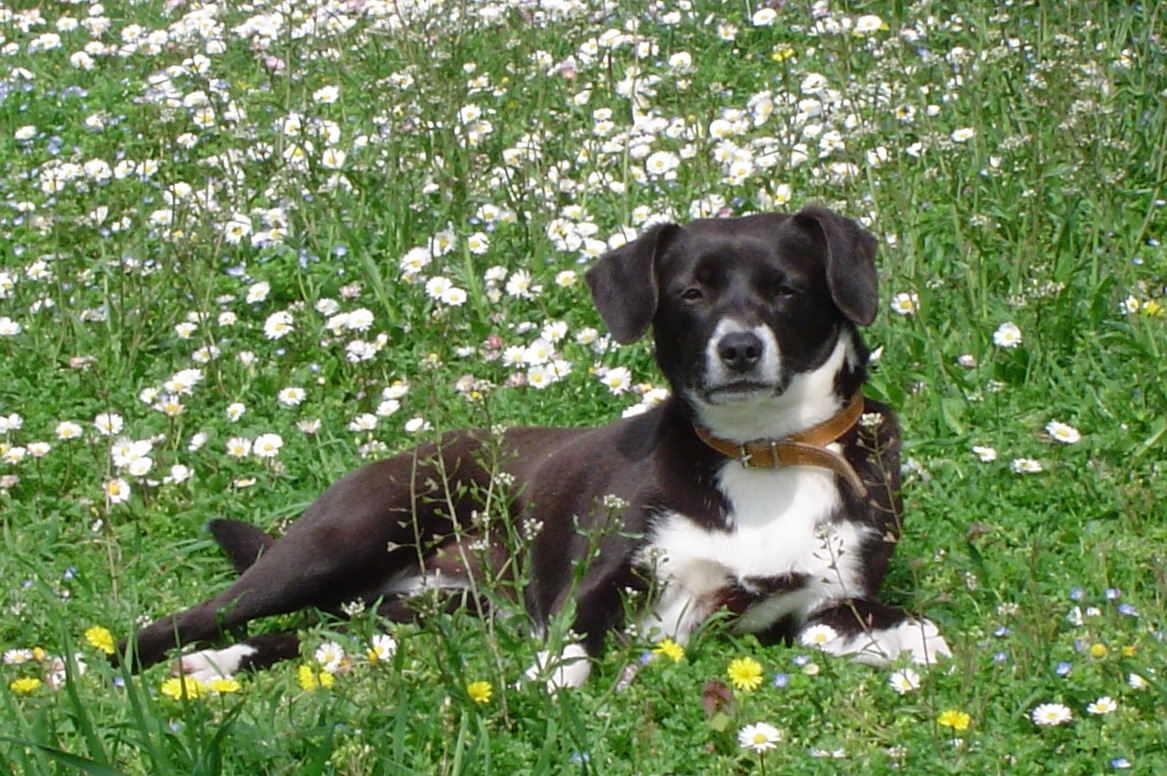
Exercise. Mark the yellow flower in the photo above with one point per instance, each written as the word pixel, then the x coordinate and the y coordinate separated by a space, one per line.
pixel 670 649
pixel 479 692
pixel 183 688
pixel 25 685
pixel 223 685
pixel 1098 651
pixel 745 673
pixel 311 679
pixel 782 54
pixel 100 638
pixel 957 720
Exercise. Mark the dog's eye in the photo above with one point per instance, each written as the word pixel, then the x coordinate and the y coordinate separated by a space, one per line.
pixel 692 294
pixel 784 291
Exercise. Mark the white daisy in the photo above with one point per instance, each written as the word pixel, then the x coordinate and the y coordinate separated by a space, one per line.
pixel 1051 715
pixel 1062 432
pixel 330 656
pixel 1104 705
pixel 905 303
pixel 817 636
pixel 1007 335
pixel 267 445
pixel 904 681
pixel 758 737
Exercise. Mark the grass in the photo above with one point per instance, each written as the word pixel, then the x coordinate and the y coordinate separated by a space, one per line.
pixel 176 180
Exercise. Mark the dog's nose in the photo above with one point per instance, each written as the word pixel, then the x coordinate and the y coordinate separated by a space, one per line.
pixel 740 351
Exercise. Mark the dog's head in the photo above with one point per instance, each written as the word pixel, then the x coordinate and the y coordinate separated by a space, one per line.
pixel 742 308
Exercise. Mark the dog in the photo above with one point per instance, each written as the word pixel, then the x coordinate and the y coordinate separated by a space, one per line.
pixel 765 485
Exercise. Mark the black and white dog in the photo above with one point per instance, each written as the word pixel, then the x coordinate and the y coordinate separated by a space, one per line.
pixel 766 484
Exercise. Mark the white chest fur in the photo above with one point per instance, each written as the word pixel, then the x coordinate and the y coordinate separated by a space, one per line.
pixel 780 525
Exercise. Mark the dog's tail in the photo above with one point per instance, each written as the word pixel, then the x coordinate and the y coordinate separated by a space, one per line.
pixel 241 542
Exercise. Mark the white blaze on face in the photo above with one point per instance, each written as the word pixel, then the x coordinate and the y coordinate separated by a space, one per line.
pixel 765 371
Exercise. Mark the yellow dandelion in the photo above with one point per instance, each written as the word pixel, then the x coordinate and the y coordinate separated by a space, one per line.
pixel 24 685
pixel 224 685
pixel 782 53
pixel 1098 651
pixel 310 679
pixel 745 673
pixel 183 688
pixel 479 692
pixel 952 718
pixel 100 638
pixel 670 649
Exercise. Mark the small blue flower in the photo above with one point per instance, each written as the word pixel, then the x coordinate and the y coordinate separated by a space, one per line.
pixel 578 757
pixel 645 657
pixel 1120 763
pixel 800 660
pixel 1000 657
pixel 1001 632
pixel 1128 609
pixel 1063 669
pixel 780 680
pixel 1113 594
pixel 1077 593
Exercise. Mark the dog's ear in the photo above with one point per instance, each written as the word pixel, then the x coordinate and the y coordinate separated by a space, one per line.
pixel 624 285
pixel 851 272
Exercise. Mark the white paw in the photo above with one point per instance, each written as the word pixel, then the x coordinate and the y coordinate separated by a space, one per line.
pixel 212 663
pixel 880 648
pixel 919 638
pixel 569 669
pixel 925 642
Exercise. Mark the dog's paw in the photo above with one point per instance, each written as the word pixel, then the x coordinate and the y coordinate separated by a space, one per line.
pixel 212 663
pixel 569 669
pixel 920 639
pixel 925 643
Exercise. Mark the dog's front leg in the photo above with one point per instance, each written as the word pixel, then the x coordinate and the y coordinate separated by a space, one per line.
pixel 599 609
pixel 570 668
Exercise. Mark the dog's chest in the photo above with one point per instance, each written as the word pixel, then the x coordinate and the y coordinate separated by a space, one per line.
pixel 782 553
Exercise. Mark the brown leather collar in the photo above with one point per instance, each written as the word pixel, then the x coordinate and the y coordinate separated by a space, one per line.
pixel 803 449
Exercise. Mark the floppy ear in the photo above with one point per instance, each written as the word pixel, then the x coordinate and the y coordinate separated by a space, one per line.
pixel 624 286
pixel 850 263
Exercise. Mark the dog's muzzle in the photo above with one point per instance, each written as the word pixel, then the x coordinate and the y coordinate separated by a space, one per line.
pixel 741 364
pixel 740 351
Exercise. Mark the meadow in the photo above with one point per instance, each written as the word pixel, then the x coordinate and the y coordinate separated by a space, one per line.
pixel 247 246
